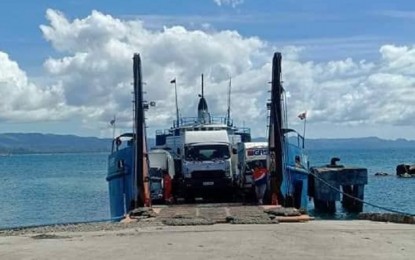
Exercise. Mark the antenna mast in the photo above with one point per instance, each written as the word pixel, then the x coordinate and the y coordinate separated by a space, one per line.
pixel 229 101
pixel 202 86
pixel 177 106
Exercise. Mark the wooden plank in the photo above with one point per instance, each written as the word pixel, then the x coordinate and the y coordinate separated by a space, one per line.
pixel 302 218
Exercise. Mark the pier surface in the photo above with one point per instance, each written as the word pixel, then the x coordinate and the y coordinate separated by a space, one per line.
pixel 322 239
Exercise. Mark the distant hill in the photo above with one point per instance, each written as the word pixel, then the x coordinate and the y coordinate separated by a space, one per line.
pixel 353 143
pixel 46 143
pixel 51 143
pixel 359 143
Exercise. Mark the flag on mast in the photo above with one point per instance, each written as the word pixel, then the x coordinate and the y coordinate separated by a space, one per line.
pixel 173 81
pixel 112 122
pixel 302 116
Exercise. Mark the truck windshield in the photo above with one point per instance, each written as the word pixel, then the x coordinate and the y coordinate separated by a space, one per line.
pixel 207 152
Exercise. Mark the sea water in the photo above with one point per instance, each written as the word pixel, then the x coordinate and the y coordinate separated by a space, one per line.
pixel 52 188
pixel 39 189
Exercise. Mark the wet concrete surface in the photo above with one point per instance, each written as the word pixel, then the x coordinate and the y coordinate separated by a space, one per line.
pixel 205 231
pixel 310 240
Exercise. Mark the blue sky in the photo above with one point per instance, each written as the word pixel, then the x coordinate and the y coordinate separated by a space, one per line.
pixel 364 24
pixel 358 26
pixel 316 35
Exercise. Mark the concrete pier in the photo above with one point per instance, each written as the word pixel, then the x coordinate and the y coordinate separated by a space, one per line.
pixel 325 184
pixel 310 240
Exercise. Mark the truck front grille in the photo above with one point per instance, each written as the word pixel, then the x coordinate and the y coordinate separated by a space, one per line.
pixel 208 174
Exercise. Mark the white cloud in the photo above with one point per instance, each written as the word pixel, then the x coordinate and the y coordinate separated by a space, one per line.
pixel 349 92
pixel 97 72
pixel 23 101
pixel 93 77
pixel 232 3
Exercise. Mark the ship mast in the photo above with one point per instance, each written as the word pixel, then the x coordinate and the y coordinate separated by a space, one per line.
pixel 275 138
pixel 202 108
pixel 140 163
pixel 228 119
pixel 202 86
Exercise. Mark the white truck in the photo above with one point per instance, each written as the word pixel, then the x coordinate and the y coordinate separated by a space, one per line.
pixel 206 163
pixel 248 154
pixel 160 162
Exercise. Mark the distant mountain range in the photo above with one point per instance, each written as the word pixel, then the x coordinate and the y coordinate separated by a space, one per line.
pixel 353 143
pixel 51 143
pixel 11 143
pixel 359 143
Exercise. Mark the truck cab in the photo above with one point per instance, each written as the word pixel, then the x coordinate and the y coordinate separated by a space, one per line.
pixel 206 162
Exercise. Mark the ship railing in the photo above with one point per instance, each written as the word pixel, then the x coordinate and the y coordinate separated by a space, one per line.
pixel 293 137
pixel 122 141
pixel 163 132
pixel 189 121
pixel 243 130
pixel 295 148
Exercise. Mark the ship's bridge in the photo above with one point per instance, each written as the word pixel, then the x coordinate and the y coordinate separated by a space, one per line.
pixel 193 124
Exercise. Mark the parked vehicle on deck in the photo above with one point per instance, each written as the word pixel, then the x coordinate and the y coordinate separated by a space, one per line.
pixel 248 154
pixel 161 173
pixel 204 150
pixel 206 163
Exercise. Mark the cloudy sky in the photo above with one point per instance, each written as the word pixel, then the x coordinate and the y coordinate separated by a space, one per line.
pixel 66 68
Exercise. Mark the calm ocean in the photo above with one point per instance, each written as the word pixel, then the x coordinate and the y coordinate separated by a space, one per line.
pixel 56 188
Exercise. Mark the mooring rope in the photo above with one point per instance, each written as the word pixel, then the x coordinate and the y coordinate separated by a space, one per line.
pixel 360 200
